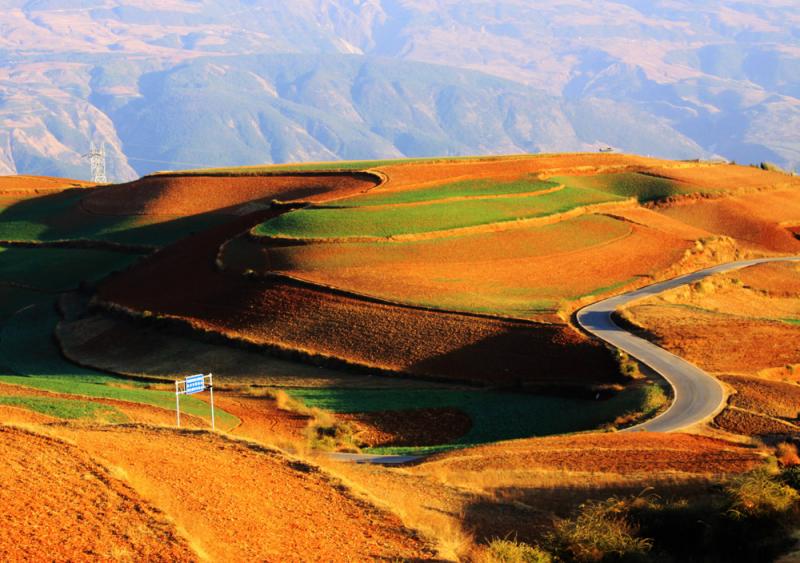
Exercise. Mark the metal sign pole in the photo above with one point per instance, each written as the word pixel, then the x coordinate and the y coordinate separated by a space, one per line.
pixel 178 403
pixel 211 390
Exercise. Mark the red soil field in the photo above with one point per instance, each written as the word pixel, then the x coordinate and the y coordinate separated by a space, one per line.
pixel 772 398
pixel 727 177
pixel 274 508
pixel 721 343
pixel 752 424
pixel 285 314
pixel 261 419
pixel 506 272
pixel 628 453
pixel 659 222
pixel 753 219
pixel 59 504
pixel 192 195
pixel 779 279
pixel 420 427
pixel 511 168
pixel 37 184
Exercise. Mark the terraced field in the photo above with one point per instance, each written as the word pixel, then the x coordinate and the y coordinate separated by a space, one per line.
pixel 429 292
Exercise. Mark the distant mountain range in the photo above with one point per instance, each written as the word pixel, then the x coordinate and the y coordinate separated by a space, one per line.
pixel 169 84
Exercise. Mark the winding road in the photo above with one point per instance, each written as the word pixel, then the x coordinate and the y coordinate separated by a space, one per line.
pixel 697 395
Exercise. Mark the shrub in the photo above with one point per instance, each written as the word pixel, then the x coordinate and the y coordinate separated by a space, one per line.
pixel 628 366
pixel 758 494
pixel 599 530
pixel 510 551
pixel 787 455
pixel 772 167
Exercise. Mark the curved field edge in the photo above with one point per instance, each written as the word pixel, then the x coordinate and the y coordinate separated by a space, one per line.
pixel 31 358
pixel 363 223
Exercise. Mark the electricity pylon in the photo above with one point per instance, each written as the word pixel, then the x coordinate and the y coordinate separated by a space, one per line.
pixel 97 160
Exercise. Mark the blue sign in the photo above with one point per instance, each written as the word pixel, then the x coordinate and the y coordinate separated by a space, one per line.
pixel 195 384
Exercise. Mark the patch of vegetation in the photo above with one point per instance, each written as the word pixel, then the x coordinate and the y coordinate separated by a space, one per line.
pixel 752 518
pixel 58 269
pixel 512 551
pixel 599 531
pixel 469 188
pixel 58 217
pixel 322 223
pixel 495 415
pixel 28 350
pixel 67 409
pixel 643 187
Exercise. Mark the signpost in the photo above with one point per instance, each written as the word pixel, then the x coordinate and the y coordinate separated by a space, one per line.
pixel 192 385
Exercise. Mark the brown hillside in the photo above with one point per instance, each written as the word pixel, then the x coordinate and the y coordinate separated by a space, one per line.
pixel 37 184
pixel 320 322
pixel 60 504
pixel 191 195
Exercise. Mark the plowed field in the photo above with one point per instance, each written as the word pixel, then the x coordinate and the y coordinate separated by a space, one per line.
pixel 753 219
pixel 191 195
pixel 328 324
pixel 518 273
pixel 639 452
pixel 37 184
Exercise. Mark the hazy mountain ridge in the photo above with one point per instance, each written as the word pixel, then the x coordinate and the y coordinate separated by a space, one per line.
pixel 179 83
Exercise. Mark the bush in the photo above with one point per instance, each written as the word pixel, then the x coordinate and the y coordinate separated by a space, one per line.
pixel 787 455
pixel 758 494
pixel 510 551
pixel 599 531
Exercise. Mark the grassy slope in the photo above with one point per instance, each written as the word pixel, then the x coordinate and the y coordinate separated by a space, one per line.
pixel 641 186
pixel 342 265
pixel 58 269
pixel 28 354
pixel 32 359
pixel 67 408
pixel 495 415
pixel 469 188
pixel 58 217
pixel 385 222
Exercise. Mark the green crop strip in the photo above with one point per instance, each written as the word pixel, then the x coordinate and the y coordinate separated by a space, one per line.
pixel 67 409
pixel 495 415
pixel 321 223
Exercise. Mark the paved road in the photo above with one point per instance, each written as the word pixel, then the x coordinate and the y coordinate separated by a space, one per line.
pixel 697 395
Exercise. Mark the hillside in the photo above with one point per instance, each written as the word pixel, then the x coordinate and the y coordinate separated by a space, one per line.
pixel 383 309
pixel 376 280
pixel 333 79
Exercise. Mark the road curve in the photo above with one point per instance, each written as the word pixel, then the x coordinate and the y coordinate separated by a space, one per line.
pixel 697 395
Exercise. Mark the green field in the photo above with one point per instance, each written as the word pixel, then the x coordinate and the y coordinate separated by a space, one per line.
pixel 470 188
pixel 67 408
pixel 32 359
pixel 59 217
pixel 322 223
pixel 495 415
pixel 631 184
pixel 58 269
